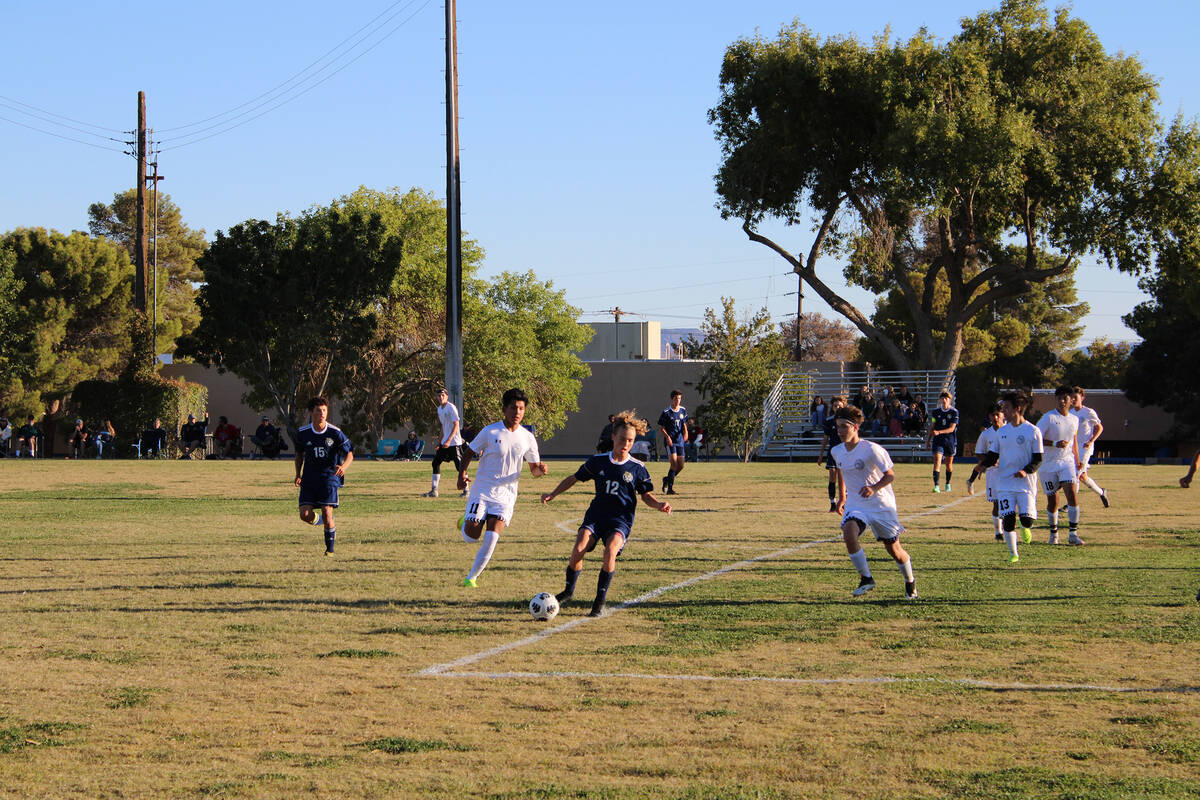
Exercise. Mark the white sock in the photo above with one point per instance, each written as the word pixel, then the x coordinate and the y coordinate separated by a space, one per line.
pixel 906 570
pixel 1073 515
pixel 436 479
pixel 1053 517
pixel 1010 539
pixel 484 554
pixel 1091 484
pixel 999 527
pixel 859 560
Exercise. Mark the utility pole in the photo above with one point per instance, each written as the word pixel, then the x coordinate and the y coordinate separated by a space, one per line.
pixel 454 365
pixel 799 311
pixel 617 313
pixel 139 255
pixel 155 178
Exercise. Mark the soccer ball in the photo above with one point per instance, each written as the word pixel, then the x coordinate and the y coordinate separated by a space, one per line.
pixel 543 606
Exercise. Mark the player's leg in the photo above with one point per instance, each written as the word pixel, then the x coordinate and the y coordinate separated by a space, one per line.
pixel 1026 514
pixel 309 514
pixel 612 546
pixel 852 528
pixel 439 458
pixel 585 540
pixel 904 562
pixel 832 488
pixel 1051 487
pixel 330 528
pixel 1085 458
pixel 996 521
pixel 949 468
pixel 456 453
pixel 937 466
pixel 1008 521
pixel 1072 495
pixel 494 525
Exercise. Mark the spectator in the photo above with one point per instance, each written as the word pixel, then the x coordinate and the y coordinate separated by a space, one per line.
pixel 879 422
pixel 268 438
pixel 227 439
pixel 104 437
pixel 191 436
pixel 642 443
pixel 6 432
pixel 76 439
pixel 695 439
pixel 605 444
pixel 816 411
pixel 914 420
pixel 865 401
pixel 896 418
pixel 154 440
pixel 904 396
pixel 408 448
pixel 28 435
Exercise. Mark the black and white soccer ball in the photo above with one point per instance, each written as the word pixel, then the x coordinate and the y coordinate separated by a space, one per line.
pixel 543 606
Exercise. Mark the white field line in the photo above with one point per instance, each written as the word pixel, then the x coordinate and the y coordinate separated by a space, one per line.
pixel 969 683
pixel 439 669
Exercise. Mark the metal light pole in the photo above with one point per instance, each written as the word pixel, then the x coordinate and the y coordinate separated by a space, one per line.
pixel 454 366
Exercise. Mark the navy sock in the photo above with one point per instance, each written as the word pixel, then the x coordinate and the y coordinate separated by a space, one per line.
pixel 330 535
pixel 569 588
pixel 832 491
pixel 602 584
pixel 948 474
pixel 936 476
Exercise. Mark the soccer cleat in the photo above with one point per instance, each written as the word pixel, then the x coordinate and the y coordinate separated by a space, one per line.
pixel 865 585
pixel 462 523
pixel 1054 538
pixel 664 485
pixel 1074 541
pixel 671 490
pixel 948 489
pixel 999 537
pixel 1104 497
pixel 563 596
pixel 597 609
pixel 833 507
pixel 469 583
pixel 430 493
pixel 937 490
pixel 910 590
pixel 1026 535
pixel 464 493
pixel 329 554
pixel 1014 558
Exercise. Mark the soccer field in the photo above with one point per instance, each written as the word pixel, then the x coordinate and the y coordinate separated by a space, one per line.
pixel 171 629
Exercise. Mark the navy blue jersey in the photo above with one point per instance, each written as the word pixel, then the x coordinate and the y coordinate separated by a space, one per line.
pixel 829 426
pixel 323 453
pixel 617 486
pixel 673 422
pixel 942 418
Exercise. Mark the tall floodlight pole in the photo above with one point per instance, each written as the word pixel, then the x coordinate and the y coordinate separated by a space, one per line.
pixel 454 351
pixel 139 257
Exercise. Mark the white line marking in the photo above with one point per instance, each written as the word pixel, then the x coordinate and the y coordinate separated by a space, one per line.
pixel 966 682
pixel 565 525
pixel 440 669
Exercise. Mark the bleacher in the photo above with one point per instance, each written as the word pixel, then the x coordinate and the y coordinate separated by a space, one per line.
pixel 788 434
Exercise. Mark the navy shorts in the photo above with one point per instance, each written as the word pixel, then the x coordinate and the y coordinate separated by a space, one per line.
pixel 675 449
pixel 319 495
pixel 946 444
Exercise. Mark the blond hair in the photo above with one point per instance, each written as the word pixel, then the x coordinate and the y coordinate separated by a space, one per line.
pixel 629 419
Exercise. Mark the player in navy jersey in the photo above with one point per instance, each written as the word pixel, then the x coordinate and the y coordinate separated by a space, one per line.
pixel 673 424
pixel 322 456
pixel 828 442
pixel 943 438
pixel 620 480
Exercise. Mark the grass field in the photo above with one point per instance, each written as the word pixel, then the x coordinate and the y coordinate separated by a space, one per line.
pixel 170 629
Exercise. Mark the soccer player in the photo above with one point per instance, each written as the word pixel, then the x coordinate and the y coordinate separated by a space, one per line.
pixel 501 448
pixel 1090 429
pixel 1060 429
pixel 1186 480
pixel 450 445
pixel 673 424
pixel 322 457
pixel 828 440
pixel 620 481
pixel 982 445
pixel 1016 454
pixel 943 438
pixel 866 481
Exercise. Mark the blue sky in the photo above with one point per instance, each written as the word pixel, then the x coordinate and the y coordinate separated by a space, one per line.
pixel 586 152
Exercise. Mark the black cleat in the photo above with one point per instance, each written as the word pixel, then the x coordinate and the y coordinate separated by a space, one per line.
pixel 1104 497
pixel 910 590
pixel 672 491
pixel 864 585
pixel 563 597
pixel 597 610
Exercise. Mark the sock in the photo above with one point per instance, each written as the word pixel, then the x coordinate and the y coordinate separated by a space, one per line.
pixel 948 474
pixel 1053 517
pixel 936 477
pixel 602 584
pixel 832 491
pixel 487 544
pixel 436 480
pixel 859 560
pixel 998 528
pixel 906 570
pixel 671 478
pixel 1010 539
pixel 1091 484
pixel 572 576
pixel 1073 519
pixel 330 535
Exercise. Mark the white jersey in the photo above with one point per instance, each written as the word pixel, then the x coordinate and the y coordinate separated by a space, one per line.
pixel 501 453
pixel 1089 420
pixel 865 464
pixel 982 445
pixel 1016 445
pixel 1056 427
pixel 448 415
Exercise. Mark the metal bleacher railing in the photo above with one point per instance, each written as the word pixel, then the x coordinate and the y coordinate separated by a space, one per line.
pixel 788 432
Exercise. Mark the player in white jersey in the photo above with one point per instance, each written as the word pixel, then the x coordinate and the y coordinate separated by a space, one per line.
pixel 865 489
pixel 449 445
pixel 1016 454
pixel 1060 468
pixel 1090 429
pixel 984 443
pixel 502 447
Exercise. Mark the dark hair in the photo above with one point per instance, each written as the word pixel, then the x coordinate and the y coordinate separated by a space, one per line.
pixel 1079 390
pixel 1063 391
pixel 837 398
pixel 676 393
pixel 1018 399
pixel 945 395
pixel 317 401
pixel 850 414
pixel 512 396
pixel 995 409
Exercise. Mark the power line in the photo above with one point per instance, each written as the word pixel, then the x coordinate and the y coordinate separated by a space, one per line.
pixel 60 116
pixel 60 136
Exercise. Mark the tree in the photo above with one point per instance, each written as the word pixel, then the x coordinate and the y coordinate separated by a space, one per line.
pixel 748 357
pixel 1018 146
pixel 821 339
pixel 15 355
pixel 72 307
pixel 1101 366
pixel 178 249
pixel 284 305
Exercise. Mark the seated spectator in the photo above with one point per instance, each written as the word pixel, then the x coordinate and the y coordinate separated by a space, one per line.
pixel 641 446
pixel 227 439
pixel 865 402
pixel 104 437
pixel 409 449
pixel 904 396
pixel 27 437
pixel 879 422
pixel 605 443
pixel 154 440
pixel 816 412
pixel 268 438
pixel 896 419
pixel 191 436
pixel 6 432
pixel 914 420
pixel 695 439
pixel 77 439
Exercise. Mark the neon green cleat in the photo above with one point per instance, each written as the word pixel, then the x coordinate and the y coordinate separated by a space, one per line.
pixel 1014 558
pixel 462 522
pixel 469 583
pixel 948 489
pixel 937 490
pixel 1026 535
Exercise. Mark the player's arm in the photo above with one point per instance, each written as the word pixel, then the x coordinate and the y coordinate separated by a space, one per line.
pixel 563 485
pixel 1035 461
pixel 686 433
pixel 660 505
pixel 841 490
pixel 299 463
pixel 1095 434
pixel 467 455
pixel 538 468
pixel 341 468
pixel 869 489
pixel 1186 480
pixel 450 438
pixel 663 428
pixel 824 443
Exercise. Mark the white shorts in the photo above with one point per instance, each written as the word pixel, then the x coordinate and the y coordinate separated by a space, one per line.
pixel 1053 477
pixel 1085 456
pixel 992 494
pixel 480 508
pixel 1021 503
pixel 884 522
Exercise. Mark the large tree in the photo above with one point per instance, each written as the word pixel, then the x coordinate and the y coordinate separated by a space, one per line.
pixel 1020 145
pixel 72 297
pixel 178 248
pixel 820 338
